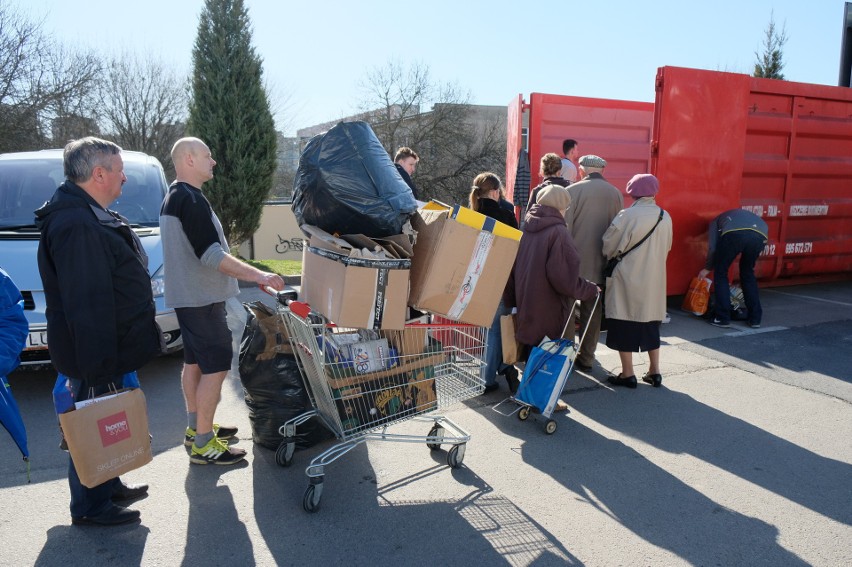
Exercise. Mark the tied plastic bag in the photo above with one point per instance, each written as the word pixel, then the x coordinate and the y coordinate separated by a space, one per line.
pixel 346 183
pixel 697 298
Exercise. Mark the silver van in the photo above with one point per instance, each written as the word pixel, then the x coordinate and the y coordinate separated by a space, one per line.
pixel 27 180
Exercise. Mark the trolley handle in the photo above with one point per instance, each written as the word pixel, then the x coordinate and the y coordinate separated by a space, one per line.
pixel 284 296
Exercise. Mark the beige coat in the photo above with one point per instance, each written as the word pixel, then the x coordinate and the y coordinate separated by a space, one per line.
pixel 594 203
pixel 637 289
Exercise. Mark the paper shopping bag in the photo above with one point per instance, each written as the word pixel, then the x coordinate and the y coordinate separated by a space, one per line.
pixel 696 299
pixel 511 347
pixel 108 436
pixel 545 374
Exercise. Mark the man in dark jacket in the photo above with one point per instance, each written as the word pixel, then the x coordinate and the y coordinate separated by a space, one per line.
pixel 405 161
pixel 732 233
pixel 100 308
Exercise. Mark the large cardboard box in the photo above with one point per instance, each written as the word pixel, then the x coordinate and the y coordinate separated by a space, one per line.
pixel 461 263
pixel 353 290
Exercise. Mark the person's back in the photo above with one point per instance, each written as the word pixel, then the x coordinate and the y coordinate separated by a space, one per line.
pixel 193 278
pixel 594 203
pixel 741 219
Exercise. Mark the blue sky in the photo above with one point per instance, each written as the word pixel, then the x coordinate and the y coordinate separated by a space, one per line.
pixel 317 53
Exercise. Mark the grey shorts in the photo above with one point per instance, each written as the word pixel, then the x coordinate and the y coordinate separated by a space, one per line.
pixel 206 337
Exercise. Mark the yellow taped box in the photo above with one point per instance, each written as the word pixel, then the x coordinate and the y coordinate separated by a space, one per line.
pixel 459 270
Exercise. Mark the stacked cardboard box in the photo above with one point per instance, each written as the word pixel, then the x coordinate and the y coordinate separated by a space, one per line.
pixel 462 260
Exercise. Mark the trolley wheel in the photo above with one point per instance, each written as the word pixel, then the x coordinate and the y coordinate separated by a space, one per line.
pixel 524 413
pixel 313 495
pixel 455 456
pixel 284 453
pixel 550 427
pixel 436 431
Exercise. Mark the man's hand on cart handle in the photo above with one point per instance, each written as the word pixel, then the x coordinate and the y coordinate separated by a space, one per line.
pixel 268 279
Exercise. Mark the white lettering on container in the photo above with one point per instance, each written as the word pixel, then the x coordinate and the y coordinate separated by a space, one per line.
pixel 799 248
pixel 808 210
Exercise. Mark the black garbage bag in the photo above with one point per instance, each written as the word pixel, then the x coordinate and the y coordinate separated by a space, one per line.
pixel 347 184
pixel 273 387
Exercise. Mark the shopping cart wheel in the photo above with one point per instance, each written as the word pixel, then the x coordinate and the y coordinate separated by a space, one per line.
pixel 455 456
pixel 436 431
pixel 313 494
pixel 284 453
pixel 524 413
pixel 550 427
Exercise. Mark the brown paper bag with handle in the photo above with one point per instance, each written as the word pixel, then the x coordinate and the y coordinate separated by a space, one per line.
pixel 108 436
pixel 511 347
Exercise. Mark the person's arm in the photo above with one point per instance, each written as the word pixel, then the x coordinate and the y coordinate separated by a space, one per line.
pixel 13 325
pixel 563 271
pixel 238 269
pixel 712 237
pixel 82 259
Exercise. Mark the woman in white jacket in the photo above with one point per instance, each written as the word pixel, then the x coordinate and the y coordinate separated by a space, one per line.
pixel 636 291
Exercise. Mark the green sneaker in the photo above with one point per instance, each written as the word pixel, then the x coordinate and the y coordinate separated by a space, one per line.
pixel 223 433
pixel 216 452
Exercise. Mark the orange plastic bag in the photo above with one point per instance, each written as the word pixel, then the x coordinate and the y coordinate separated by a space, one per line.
pixel 696 299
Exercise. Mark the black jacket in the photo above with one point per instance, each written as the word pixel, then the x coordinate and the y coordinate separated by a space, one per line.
pixel 491 208
pixel 100 308
pixel 407 179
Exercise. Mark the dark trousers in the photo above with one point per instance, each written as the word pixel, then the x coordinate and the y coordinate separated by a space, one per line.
pixel 748 244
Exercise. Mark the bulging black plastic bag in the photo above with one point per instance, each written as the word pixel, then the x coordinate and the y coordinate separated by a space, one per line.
pixel 347 184
pixel 273 387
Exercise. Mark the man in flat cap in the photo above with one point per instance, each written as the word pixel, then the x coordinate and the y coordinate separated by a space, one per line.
pixel 594 203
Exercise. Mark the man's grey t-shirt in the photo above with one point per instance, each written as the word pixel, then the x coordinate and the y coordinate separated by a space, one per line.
pixel 193 247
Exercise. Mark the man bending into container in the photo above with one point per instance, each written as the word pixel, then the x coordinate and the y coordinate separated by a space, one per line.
pixel 735 233
pixel 200 276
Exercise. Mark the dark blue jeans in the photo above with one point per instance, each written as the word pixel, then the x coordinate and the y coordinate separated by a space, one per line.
pixel 748 244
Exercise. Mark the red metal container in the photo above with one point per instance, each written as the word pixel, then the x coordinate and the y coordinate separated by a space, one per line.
pixel 617 130
pixel 718 141
pixel 780 149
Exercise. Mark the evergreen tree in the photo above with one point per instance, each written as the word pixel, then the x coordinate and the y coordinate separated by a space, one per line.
pixel 769 63
pixel 230 112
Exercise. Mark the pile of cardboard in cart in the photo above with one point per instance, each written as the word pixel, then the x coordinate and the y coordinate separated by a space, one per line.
pixel 445 260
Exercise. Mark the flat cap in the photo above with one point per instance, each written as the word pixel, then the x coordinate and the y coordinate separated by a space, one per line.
pixel 592 161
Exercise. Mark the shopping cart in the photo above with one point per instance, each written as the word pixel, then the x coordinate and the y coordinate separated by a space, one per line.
pixel 528 399
pixel 362 382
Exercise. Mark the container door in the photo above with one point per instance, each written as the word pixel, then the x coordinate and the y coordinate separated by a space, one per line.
pixel 617 130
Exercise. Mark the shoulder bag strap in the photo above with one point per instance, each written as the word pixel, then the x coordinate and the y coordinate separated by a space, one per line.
pixel 632 248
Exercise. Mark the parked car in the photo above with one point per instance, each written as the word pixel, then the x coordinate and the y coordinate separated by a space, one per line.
pixel 27 180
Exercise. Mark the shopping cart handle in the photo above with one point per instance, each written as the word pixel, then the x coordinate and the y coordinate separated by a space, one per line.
pixel 300 309
pixel 283 296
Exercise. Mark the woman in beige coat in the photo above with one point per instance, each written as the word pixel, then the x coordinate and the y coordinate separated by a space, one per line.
pixel 636 291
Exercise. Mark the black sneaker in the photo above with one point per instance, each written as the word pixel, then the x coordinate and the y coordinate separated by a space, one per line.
pixel 512 379
pixel 716 322
pixel 216 452
pixel 754 325
pixel 489 388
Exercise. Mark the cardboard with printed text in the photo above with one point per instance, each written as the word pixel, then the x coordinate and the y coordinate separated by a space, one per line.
pixel 108 437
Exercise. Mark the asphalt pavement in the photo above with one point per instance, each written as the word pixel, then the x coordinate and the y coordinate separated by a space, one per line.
pixel 742 457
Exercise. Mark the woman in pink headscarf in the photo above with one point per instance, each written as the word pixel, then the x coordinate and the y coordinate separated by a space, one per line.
pixel 636 290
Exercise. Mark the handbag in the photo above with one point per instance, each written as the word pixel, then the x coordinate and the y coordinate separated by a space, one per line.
pixel 611 263
pixel 697 298
pixel 511 347
pixel 107 436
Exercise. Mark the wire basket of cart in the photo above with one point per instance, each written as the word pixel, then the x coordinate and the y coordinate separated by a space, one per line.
pixel 361 382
